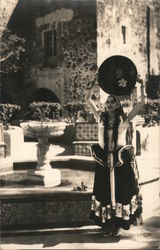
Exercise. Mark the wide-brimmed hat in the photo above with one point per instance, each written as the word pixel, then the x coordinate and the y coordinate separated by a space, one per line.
pixel 117 75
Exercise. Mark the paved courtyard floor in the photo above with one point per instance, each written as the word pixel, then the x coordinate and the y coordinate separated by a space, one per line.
pixel 145 236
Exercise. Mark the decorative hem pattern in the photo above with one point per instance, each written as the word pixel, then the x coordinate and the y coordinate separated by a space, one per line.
pixel 122 216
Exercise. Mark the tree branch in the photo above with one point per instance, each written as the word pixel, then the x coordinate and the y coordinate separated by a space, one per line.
pixel 1 71
pixel 5 58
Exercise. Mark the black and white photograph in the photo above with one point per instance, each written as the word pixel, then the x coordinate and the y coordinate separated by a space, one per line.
pixel 79 124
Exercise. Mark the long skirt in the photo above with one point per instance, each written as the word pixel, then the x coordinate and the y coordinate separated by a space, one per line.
pixel 125 207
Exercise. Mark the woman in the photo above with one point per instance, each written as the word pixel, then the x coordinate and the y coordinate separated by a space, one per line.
pixel 116 202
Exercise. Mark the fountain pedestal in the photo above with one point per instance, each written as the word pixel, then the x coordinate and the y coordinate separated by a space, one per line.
pixel 46 178
pixel 44 174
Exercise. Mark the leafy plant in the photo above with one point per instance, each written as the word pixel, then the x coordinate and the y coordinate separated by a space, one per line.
pixel 151 112
pixel 43 111
pixel 71 110
pixel 12 47
pixel 6 113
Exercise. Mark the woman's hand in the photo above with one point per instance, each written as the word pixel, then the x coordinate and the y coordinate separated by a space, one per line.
pixel 140 81
pixel 92 91
pixel 93 81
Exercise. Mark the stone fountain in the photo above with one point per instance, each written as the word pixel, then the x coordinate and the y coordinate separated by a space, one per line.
pixel 44 173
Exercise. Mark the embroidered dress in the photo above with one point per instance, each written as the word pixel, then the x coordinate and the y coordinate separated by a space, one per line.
pixel 116 199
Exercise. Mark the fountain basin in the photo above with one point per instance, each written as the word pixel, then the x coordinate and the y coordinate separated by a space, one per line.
pixel 45 129
pixel 26 205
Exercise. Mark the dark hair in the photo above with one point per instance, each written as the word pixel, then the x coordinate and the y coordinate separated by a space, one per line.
pixel 104 117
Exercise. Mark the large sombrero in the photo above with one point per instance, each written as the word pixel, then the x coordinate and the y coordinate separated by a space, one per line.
pixel 117 75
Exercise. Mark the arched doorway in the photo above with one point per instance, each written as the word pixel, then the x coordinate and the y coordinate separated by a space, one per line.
pixel 44 95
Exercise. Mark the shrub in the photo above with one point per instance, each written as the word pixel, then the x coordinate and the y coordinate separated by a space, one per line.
pixel 43 111
pixel 6 113
pixel 71 110
pixel 151 112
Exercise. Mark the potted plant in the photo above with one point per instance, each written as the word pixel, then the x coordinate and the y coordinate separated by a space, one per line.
pixel 13 135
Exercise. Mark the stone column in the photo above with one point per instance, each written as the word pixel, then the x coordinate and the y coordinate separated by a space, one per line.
pixel 44 174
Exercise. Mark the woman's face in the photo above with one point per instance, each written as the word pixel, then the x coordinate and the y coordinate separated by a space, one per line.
pixel 111 103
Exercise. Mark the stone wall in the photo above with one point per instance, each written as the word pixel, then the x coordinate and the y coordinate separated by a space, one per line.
pixel 75 25
pixel 122 29
pixel 76 48
pixel 87 33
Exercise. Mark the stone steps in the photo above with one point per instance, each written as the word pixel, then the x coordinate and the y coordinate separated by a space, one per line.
pixel 31 208
pixel 25 205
